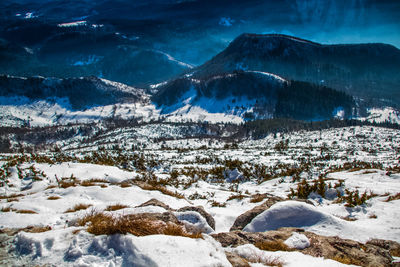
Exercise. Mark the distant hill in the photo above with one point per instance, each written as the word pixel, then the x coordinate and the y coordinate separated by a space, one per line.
pixel 81 92
pixel 251 95
pixel 370 71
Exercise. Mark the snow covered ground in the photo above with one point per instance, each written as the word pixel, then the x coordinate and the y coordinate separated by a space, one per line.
pixel 31 194
pixel 18 110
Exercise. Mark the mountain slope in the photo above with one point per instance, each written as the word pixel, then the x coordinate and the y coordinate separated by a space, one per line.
pixel 252 94
pixel 81 92
pixel 362 70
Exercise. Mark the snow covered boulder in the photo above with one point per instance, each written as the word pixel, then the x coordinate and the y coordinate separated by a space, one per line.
pixel 297 241
pixel 193 221
pixel 246 217
pixel 373 253
pixel 288 214
pixel 210 220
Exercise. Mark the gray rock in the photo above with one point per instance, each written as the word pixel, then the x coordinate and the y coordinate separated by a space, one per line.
pixel 248 216
pixel 210 220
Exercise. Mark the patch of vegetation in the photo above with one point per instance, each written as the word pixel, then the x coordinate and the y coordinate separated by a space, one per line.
pixel 304 188
pixel 78 207
pixel 100 223
pixel 215 203
pixel 391 198
pixel 353 198
pixel 53 197
pixel 116 207
pixel 273 245
pixel 25 211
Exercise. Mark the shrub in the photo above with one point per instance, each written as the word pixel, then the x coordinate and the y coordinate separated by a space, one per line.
pixel 53 198
pixel 304 189
pixel 353 198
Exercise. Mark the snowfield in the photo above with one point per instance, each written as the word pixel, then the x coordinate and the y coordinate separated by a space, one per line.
pixel 224 178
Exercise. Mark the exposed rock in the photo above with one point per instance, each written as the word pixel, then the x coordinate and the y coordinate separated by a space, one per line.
pixel 210 220
pixel 246 217
pixel 236 260
pixel 373 253
pixel 154 202
pixel 392 246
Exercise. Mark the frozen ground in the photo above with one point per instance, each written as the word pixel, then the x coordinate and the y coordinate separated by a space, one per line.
pixel 221 177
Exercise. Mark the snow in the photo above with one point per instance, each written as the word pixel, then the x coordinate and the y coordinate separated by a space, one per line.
pixel 383 114
pixel 62 246
pixel 302 215
pixel 297 241
pixel 72 24
pixel 193 218
pixel 84 249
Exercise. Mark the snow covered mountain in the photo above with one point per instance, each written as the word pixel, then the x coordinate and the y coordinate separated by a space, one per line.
pixel 250 95
pixel 368 71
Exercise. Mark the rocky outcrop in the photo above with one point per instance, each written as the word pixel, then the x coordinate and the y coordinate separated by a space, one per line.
pixel 236 260
pixel 246 217
pixel 373 253
pixel 199 209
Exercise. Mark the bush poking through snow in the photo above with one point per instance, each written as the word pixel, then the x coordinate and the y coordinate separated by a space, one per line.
pixel 78 207
pixel 304 189
pixel 353 198
pixel 100 223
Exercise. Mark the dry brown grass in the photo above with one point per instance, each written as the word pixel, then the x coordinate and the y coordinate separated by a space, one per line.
pixel 12 200
pixel 78 207
pixel 391 198
pixel 6 209
pixel 347 260
pixel 256 198
pixel 53 197
pixel 94 182
pixel 51 187
pixel 100 223
pixel 215 203
pixel 238 196
pixel 125 185
pixel 25 211
pixel 348 218
pixel 272 245
pixel 116 207
pixel 37 229
pixel 162 189
pixel 66 184
pixel 12 196
pixel 267 261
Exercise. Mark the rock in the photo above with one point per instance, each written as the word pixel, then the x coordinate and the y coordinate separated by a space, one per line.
pixel 373 253
pixel 210 220
pixel 392 246
pixel 236 260
pixel 155 202
pixel 246 217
